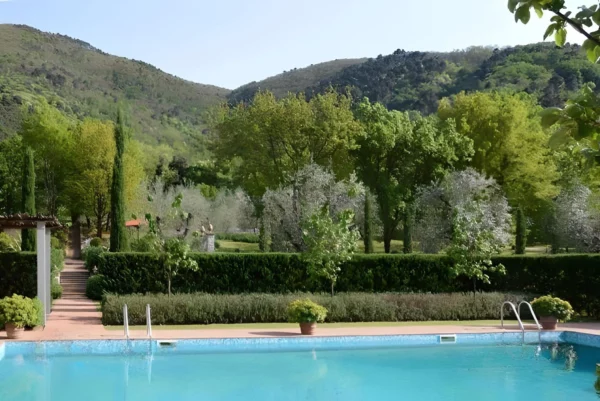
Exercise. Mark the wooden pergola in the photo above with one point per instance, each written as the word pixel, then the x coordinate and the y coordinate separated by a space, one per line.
pixel 43 226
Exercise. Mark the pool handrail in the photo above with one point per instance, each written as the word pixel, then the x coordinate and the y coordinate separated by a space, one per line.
pixel 535 319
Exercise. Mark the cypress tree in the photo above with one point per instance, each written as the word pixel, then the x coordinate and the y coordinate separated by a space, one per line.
pixel 408 220
pixel 28 199
pixel 368 229
pixel 118 240
pixel 521 237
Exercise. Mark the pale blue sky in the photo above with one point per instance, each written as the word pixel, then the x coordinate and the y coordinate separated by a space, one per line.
pixel 232 42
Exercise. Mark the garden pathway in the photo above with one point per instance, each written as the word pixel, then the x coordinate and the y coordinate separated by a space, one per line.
pixel 74 315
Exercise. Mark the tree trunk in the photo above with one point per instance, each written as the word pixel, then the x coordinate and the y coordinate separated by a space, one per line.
pixel 107 226
pixel 387 241
pixel 75 236
pixel 407 239
pixel 368 228
pixel 521 233
pixel 332 285
pixel 99 227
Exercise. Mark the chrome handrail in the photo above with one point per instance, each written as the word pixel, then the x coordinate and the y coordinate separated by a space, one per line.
pixel 537 324
pixel 516 314
pixel 126 321
pixel 148 321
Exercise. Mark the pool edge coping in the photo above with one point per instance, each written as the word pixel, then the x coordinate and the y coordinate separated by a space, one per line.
pixel 109 347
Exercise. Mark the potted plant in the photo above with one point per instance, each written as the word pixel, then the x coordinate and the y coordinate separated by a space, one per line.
pixel 550 310
pixel 307 313
pixel 18 312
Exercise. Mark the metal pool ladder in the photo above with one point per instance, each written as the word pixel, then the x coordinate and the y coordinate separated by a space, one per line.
pixel 517 312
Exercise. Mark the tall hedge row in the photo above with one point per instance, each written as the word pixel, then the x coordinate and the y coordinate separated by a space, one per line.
pixel 128 273
pixel 18 274
pixel 573 277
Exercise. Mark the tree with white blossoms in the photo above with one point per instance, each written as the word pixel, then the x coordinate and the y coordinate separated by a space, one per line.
pixel 312 187
pixel 329 243
pixel 576 221
pixel 468 215
pixel 227 211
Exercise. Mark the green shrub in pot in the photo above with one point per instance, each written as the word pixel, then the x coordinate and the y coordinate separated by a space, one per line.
pixel 18 312
pixel 551 309
pixel 307 313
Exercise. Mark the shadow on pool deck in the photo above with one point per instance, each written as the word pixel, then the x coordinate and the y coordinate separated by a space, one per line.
pixel 273 333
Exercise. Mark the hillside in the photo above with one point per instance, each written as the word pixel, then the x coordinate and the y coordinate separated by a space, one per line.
pixel 296 80
pixel 418 80
pixel 84 81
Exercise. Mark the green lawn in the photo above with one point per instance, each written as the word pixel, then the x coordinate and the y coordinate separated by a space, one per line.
pixel 247 326
pixel 232 246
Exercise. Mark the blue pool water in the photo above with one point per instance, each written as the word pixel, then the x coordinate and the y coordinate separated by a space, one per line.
pixel 433 372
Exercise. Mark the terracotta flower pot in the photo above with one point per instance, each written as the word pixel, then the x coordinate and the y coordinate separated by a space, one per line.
pixel 308 329
pixel 13 332
pixel 548 322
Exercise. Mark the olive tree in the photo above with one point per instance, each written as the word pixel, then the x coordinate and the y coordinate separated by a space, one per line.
pixel 312 188
pixel 467 215
pixel 576 221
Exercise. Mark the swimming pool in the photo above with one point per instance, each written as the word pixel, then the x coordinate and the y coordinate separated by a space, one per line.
pixel 475 367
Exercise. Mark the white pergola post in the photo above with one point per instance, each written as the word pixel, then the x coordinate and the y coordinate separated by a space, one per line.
pixel 48 253
pixel 43 268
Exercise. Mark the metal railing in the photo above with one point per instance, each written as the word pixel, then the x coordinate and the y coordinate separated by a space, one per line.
pixel 535 319
pixel 148 321
pixel 517 312
pixel 514 308
pixel 126 321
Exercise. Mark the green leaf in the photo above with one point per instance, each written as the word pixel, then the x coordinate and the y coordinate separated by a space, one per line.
pixel 597 54
pixel 561 37
pixel 512 5
pixel 549 31
pixel 538 10
pixel 550 116
pixel 587 22
pixel 585 12
pixel 523 14
pixel 596 17
pixel 588 44
pixel 560 137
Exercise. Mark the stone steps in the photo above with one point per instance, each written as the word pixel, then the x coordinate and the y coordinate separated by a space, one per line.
pixel 73 281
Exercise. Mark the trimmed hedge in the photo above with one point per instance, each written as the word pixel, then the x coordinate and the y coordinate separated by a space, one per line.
pixel 203 308
pixel 573 277
pixel 18 274
pixel 94 287
pixel 130 273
